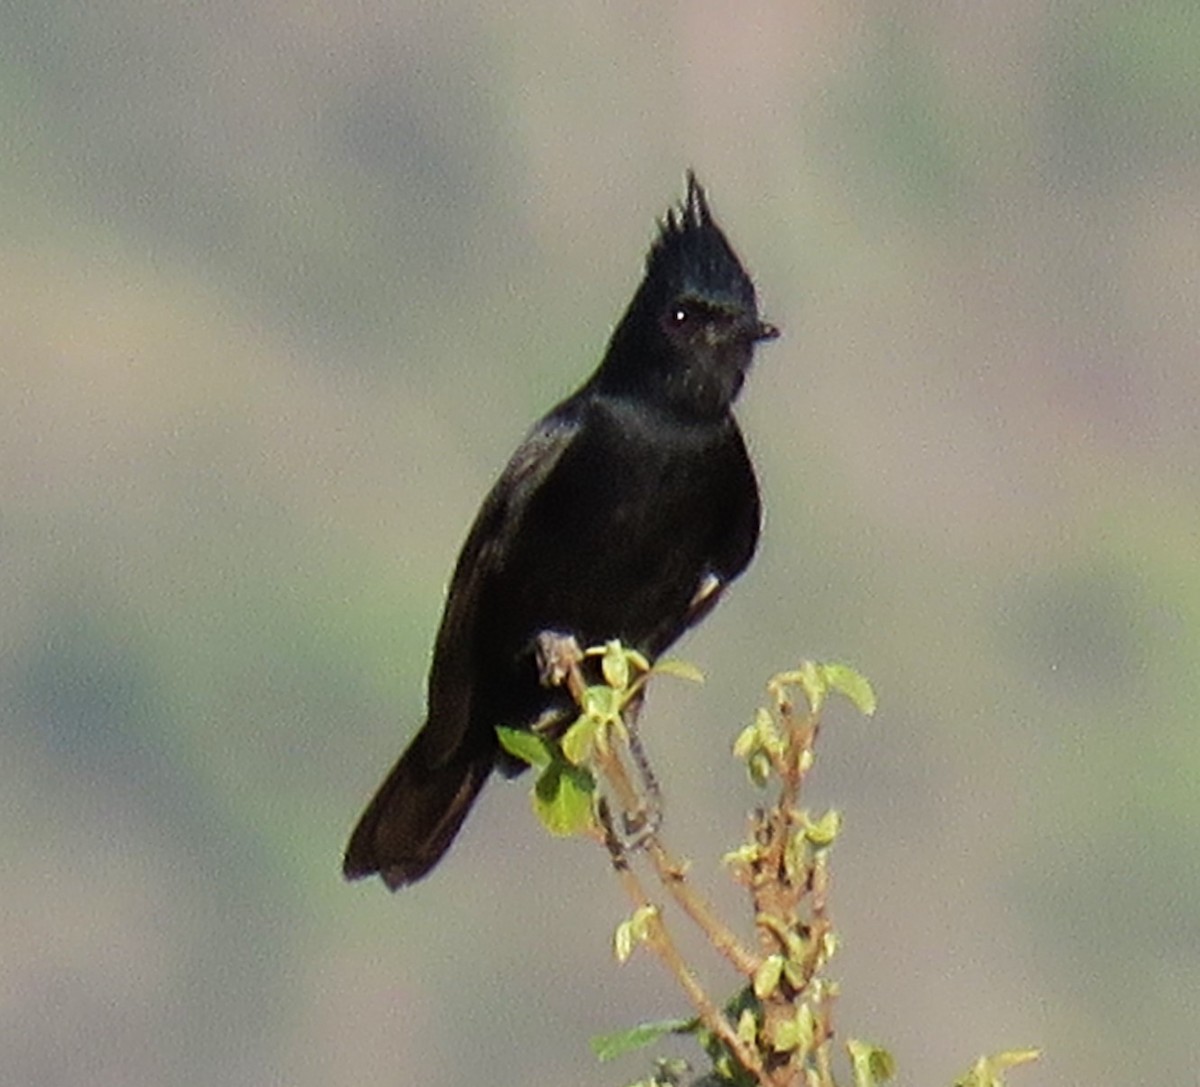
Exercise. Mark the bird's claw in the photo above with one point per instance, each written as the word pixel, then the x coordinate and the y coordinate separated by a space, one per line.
pixel 558 655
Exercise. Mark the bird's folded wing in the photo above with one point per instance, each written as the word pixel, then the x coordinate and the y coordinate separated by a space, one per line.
pixel 450 678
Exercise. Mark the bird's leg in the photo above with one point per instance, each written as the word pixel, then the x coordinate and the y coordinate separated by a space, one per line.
pixel 643 822
pixel 612 840
pixel 560 663
pixel 638 823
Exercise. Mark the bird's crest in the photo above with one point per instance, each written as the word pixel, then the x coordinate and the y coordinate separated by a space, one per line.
pixel 692 255
pixel 691 214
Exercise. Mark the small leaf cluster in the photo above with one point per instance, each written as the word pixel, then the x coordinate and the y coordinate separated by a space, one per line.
pixel 564 791
pixel 784 864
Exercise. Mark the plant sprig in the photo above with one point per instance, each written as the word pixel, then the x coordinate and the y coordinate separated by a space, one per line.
pixel 777 1030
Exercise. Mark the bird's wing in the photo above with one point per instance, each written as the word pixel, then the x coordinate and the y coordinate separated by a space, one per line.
pixel 451 686
pixel 733 547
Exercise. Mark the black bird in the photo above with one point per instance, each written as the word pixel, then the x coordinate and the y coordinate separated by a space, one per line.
pixel 624 514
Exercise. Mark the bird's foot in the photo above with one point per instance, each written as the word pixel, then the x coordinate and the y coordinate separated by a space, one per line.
pixel 558 655
pixel 637 830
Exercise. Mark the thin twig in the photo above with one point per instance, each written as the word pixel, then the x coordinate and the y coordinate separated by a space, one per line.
pixel 671 874
pixel 724 939
pixel 663 945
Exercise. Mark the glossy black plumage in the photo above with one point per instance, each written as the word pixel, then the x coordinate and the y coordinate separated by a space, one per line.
pixel 623 514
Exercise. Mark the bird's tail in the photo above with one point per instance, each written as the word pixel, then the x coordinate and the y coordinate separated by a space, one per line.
pixel 415 815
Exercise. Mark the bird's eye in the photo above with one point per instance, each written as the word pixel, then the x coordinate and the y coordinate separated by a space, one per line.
pixel 678 316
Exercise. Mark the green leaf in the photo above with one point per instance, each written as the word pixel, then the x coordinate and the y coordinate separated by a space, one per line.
pixel 578 739
pixel 745 854
pixel 807 1023
pixel 747 1027
pixel 601 703
pixel 823 831
pixel 760 735
pixel 870 1064
pixel 624 941
pixel 642 918
pixel 785 1037
pixel 633 932
pixel 764 723
pixel 614 665
pixel 796 856
pixel 853 685
pixel 637 659
pixel 796 973
pixel 525 746
pixel 818 680
pixel 830 943
pixel 679 669
pixel 746 743
pixel 562 799
pixel 766 977
pixel 989 1071
pixel 608 1046
pixel 794 1033
pixel 669 1072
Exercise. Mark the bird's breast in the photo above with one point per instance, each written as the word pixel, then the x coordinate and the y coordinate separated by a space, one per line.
pixel 615 542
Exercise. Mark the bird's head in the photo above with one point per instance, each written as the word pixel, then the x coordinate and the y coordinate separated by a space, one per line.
pixel 690 331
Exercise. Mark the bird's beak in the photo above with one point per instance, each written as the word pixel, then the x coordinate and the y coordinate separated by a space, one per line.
pixel 764 331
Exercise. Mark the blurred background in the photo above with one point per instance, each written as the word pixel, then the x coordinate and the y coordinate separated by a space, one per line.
pixel 283 284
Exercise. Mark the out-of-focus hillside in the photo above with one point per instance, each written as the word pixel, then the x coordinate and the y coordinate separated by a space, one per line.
pixel 280 288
